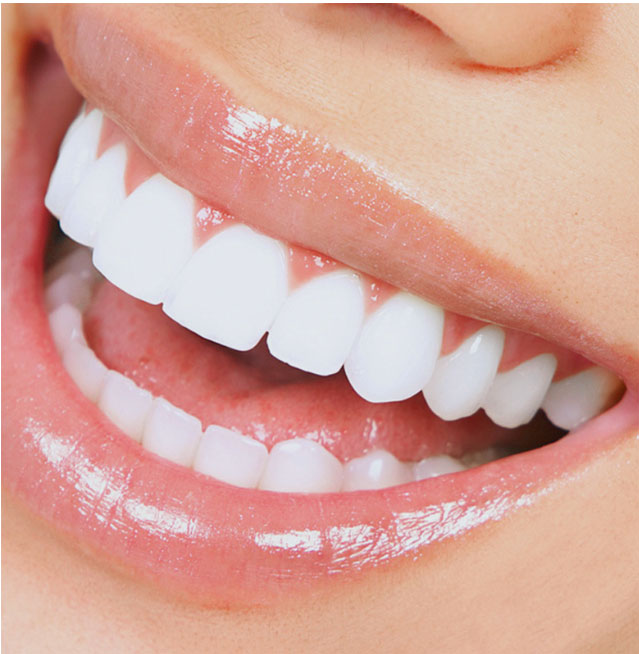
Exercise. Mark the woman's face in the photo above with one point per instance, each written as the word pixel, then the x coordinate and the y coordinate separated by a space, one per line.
pixel 483 158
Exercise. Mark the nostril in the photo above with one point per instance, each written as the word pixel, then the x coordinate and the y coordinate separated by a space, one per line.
pixel 508 35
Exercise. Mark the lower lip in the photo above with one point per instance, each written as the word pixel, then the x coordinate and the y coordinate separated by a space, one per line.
pixel 193 535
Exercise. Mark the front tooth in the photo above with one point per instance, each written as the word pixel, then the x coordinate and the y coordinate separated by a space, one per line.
pixel 231 288
pixel 396 351
pixel 77 151
pixel 86 370
pixel 171 433
pixel 434 466
pixel 143 246
pixel 125 404
pixel 462 379
pixel 317 325
pixel 301 466
pixel 515 396
pixel 575 399
pixel 96 197
pixel 231 457
pixel 69 288
pixel 66 326
pixel 379 469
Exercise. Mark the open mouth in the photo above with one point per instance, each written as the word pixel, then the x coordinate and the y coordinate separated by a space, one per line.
pixel 209 384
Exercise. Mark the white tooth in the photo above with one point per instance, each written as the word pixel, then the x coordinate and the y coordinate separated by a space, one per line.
pixel 68 289
pixel 125 404
pixel 481 457
pixel 74 125
pixel 301 466
pixel 98 195
pixel 144 245
pixel 575 399
pixel 462 378
pixel 396 350
pixel 378 469
pixel 171 433
pixel 317 325
pixel 230 457
pixel 78 262
pixel 434 466
pixel 231 288
pixel 516 395
pixel 86 370
pixel 66 326
pixel 76 153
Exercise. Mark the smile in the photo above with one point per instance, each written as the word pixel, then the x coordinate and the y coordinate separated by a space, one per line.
pixel 228 378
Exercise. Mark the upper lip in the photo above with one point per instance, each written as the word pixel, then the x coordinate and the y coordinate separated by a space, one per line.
pixel 257 169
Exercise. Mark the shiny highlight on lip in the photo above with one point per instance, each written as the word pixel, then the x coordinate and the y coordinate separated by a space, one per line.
pixel 195 536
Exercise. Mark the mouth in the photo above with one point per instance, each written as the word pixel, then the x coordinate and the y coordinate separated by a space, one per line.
pixel 242 364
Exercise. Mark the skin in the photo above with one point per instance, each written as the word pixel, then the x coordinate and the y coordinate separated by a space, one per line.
pixel 455 119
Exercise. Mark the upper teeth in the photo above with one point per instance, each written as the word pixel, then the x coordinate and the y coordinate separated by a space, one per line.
pixel 236 287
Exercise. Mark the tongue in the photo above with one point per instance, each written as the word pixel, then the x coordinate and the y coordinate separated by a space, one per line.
pixel 257 395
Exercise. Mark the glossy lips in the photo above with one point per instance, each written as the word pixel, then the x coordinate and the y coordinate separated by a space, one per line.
pixel 188 532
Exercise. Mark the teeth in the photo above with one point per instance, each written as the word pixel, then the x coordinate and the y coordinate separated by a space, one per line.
pixel 144 245
pixel 396 351
pixel 378 469
pixel 69 288
pixel 575 399
pixel 98 196
pixel 78 150
pixel 231 457
pixel 301 466
pixel 171 433
pixel 231 288
pixel 86 370
pixel 515 396
pixel 66 326
pixel 434 466
pixel 317 325
pixel 125 404
pixel 462 379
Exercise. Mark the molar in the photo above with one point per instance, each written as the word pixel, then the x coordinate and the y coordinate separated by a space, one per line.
pixel 378 469
pixel 77 151
pixel 98 195
pixel 578 398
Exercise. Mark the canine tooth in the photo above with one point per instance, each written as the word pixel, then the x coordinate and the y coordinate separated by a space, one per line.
pixel 97 196
pixel 379 469
pixel 231 288
pixel 462 378
pixel 434 466
pixel 301 466
pixel 516 395
pixel 76 153
pixel 125 404
pixel 68 289
pixel 146 242
pixel 171 433
pixel 395 353
pixel 66 326
pixel 77 262
pixel 231 457
pixel 86 370
pixel 575 399
pixel 317 325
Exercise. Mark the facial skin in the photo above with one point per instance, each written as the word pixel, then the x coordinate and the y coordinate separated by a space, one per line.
pixel 527 141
